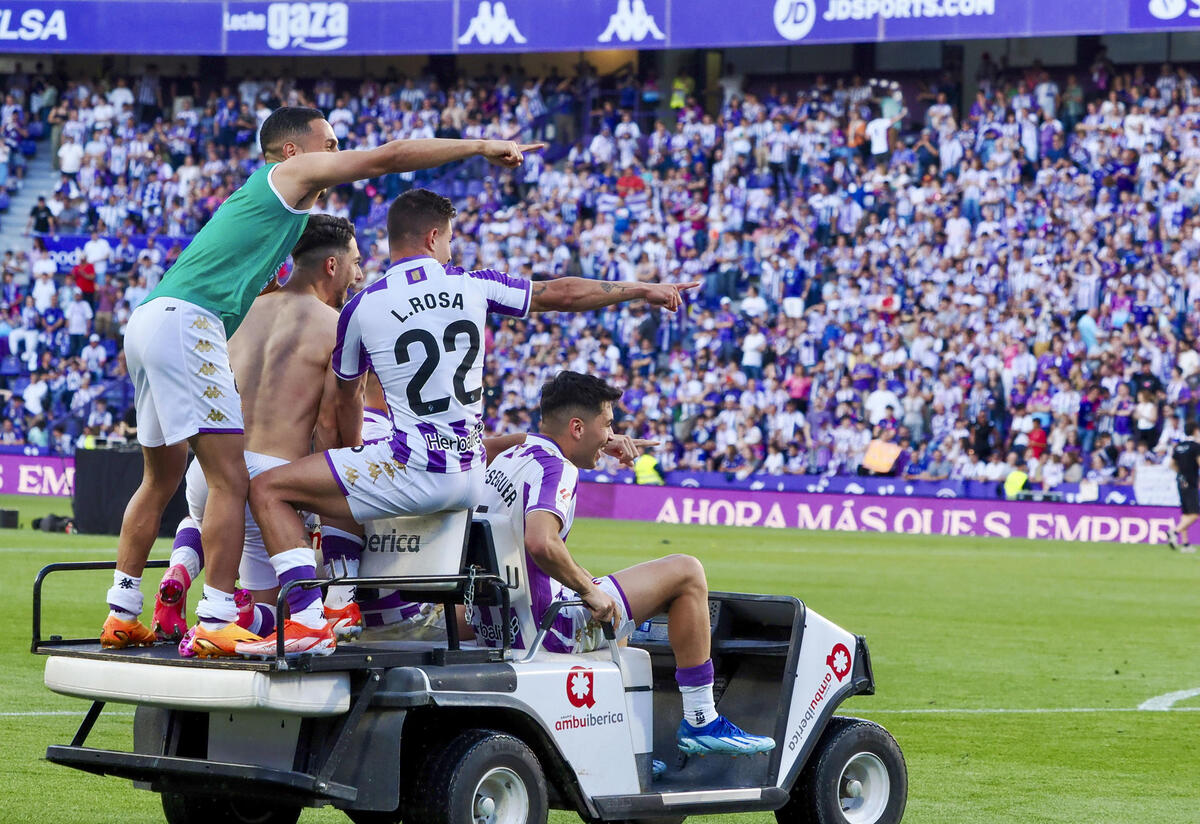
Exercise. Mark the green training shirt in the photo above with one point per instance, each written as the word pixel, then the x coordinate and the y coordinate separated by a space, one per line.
pixel 236 253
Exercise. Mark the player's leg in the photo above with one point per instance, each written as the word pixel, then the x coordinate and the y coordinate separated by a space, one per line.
pixel 163 468
pixel 187 561
pixel 275 497
pixel 341 549
pixel 678 585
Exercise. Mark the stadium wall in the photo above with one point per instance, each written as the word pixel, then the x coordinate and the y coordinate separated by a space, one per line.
pixel 911 516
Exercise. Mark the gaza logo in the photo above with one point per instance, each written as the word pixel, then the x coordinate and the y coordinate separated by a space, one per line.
pixel 311 26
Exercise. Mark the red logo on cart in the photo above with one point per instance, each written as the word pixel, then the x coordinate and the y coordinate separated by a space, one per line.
pixel 579 687
pixel 839 661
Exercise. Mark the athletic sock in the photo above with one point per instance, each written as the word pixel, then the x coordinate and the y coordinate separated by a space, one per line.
pixel 216 608
pixel 304 604
pixel 261 620
pixel 188 551
pixel 125 596
pixel 341 551
pixel 696 687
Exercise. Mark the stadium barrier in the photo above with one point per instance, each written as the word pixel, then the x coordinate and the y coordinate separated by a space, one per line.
pixel 36 475
pixel 873 513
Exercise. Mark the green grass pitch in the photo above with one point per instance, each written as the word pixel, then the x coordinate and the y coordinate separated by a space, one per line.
pixel 1010 671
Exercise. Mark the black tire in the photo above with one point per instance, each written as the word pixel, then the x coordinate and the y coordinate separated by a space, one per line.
pixel 850 750
pixel 180 808
pixel 475 766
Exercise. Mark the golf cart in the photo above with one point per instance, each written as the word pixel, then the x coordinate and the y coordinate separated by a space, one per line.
pixel 450 732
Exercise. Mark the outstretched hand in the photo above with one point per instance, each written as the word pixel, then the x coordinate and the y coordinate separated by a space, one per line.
pixel 626 449
pixel 669 295
pixel 508 153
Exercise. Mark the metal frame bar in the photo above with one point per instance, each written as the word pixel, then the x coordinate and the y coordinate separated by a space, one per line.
pixel 72 566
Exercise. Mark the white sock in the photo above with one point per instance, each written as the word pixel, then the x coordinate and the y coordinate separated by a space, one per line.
pixel 304 604
pixel 698 705
pixel 216 608
pixel 125 596
pixel 184 552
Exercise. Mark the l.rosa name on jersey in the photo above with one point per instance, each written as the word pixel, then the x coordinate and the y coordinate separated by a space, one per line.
pixel 420 303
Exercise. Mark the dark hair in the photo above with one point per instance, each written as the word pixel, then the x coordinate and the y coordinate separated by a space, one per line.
pixel 324 235
pixel 574 395
pixel 286 123
pixel 1190 428
pixel 416 212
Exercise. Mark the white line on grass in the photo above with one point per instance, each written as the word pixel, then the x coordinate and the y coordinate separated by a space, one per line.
pixel 1168 700
pixel 43 713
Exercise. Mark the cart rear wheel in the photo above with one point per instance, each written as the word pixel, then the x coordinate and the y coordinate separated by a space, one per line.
pixel 186 808
pixel 485 777
pixel 856 775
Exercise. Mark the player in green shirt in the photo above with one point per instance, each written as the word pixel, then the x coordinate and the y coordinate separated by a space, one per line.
pixel 176 353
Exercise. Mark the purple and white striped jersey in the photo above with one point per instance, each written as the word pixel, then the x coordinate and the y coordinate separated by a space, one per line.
pixel 421 329
pixel 521 480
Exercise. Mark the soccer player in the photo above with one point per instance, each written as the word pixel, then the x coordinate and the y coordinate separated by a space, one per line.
pixel 421 329
pixel 281 362
pixel 530 500
pixel 1185 460
pixel 176 351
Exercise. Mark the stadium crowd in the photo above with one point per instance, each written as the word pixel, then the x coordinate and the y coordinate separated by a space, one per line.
pixel 1005 282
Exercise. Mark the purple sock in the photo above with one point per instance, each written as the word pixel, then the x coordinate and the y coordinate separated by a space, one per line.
pixel 299 598
pixel 700 675
pixel 264 620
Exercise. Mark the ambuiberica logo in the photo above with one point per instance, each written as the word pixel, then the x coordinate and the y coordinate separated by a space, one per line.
pixel 581 694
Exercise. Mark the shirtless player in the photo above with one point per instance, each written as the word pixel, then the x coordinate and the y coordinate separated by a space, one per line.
pixel 290 404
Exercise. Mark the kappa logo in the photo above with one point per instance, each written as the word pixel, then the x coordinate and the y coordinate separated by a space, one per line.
pixel 312 26
pixel 631 22
pixel 491 25
pixel 202 346
pixel 839 661
pixel 215 416
pixel 794 18
pixel 351 476
pixel 579 687
pixel 207 369
pixel 201 323
pixel 1167 9
pixel 211 392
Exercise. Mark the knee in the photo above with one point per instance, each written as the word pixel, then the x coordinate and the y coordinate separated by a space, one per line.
pixel 690 573
pixel 262 491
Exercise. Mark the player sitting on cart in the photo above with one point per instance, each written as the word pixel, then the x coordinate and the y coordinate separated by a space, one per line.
pixel 530 501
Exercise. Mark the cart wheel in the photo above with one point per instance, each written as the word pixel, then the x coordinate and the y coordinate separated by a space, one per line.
pixel 181 808
pixel 856 775
pixel 485 777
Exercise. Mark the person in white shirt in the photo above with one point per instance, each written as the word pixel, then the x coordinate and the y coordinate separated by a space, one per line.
pixel 78 315
pixel 754 305
pixel 753 346
pixel 70 156
pixel 97 252
pixel 877 403
pixel 93 355
pixel 878 133
pixel 35 394
pixel 44 288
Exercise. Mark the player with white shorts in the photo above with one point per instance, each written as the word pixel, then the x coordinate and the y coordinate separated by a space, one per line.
pixel 421 329
pixel 530 503
pixel 282 351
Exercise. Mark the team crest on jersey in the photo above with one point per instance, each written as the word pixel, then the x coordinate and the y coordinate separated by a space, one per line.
pixel 202 346
pixel 213 392
pixel 415 275
pixel 207 369
pixel 215 416
pixel 201 323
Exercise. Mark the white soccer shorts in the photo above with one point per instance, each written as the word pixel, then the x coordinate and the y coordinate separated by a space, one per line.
pixel 182 381
pixel 574 630
pixel 255 571
pixel 376 485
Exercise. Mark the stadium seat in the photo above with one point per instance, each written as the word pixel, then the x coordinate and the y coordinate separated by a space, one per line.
pixel 9 366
